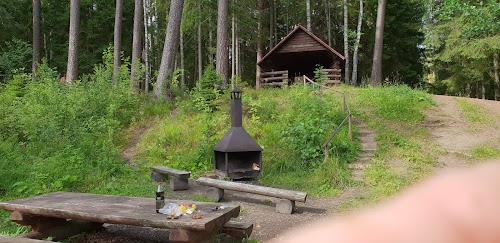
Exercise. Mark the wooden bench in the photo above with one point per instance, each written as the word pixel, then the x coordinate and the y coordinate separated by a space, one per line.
pixel 285 204
pixel 10 239
pixel 63 214
pixel 179 180
pixel 238 229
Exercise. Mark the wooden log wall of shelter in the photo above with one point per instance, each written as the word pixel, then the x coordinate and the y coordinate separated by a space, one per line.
pixel 334 74
pixel 301 42
pixel 274 79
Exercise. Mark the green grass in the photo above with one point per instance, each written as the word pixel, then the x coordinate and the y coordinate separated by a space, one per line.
pixel 485 151
pixel 476 114
pixel 290 124
pixel 404 154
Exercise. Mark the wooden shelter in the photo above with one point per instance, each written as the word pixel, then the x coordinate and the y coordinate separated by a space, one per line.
pixel 299 53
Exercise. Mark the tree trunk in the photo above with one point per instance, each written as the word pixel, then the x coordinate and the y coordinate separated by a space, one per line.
pixel 376 77
pixel 275 21
pixel 237 50
pixel 233 50
pixel 170 46
pixel 222 55
pixel 308 14
pixel 117 39
pixel 259 43
pixel 147 45
pixel 346 44
pixel 210 41
pixel 136 44
pixel 183 77
pixel 74 23
pixel 483 90
pixel 200 63
pixel 495 75
pixel 271 28
pixel 328 23
pixel 354 78
pixel 36 36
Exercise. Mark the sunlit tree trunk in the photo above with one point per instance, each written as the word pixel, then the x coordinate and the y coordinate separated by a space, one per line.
pixel 354 78
pixel 36 35
pixel 222 61
pixel 346 44
pixel 117 39
pixel 376 76
pixel 170 47
pixel 136 44
pixel 74 23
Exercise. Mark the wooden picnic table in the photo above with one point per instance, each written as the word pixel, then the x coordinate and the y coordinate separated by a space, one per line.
pixel 48 214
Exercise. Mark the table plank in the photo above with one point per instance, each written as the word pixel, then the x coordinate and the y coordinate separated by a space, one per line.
pixel 119 210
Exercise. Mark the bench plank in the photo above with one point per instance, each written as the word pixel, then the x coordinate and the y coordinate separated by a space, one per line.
pixel 10 239
pixel 261 190
pixel 238 229
pixel 173 172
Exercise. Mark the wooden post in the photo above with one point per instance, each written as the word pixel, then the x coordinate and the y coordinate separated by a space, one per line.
pixel 184 235
pixel 285 206
pixel 350 126
pixel 327 150
pixel 214 193
pixel 344 105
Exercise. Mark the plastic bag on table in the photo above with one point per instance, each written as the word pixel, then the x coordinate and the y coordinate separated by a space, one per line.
pixel 171 209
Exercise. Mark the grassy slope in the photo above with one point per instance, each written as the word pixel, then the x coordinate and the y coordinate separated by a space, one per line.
pixel 289 124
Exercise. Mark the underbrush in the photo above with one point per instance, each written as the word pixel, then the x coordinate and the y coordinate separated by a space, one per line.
pixel 290 124
pixel 64 137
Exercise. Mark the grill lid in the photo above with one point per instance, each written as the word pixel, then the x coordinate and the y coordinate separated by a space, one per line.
pixel 237 139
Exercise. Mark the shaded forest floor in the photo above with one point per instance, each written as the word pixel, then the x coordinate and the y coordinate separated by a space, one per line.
pixel 461 132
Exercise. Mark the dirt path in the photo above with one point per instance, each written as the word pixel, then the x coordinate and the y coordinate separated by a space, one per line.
pixel 135 136
pixel 455 135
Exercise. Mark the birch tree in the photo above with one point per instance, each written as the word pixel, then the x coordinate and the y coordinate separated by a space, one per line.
pixel 354 78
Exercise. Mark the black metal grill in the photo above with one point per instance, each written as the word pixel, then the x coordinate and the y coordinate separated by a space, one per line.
pixel 237 154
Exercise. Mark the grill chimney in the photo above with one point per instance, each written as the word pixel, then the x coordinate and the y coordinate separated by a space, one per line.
pixel 237 154
pixel 236 108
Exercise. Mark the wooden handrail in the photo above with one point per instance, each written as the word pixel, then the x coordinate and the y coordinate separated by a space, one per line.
pixel 345 109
